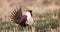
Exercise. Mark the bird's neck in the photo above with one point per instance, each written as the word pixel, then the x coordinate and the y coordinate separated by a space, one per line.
pixel 28 14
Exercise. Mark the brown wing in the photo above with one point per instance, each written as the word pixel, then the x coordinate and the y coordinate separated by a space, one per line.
pixel 16 15
pixel 23 20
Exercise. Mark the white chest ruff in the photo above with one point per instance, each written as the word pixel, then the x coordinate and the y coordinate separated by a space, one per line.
pixel 29 19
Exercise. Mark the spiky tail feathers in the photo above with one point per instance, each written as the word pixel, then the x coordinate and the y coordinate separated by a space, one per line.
pixel 16 15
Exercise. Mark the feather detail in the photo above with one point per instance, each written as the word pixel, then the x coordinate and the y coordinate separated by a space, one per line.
pixel 16 15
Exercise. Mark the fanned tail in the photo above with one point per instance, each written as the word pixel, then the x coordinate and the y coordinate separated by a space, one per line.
pixel 16 15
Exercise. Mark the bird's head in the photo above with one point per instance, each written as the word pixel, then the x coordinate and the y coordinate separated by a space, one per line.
pixel 30 12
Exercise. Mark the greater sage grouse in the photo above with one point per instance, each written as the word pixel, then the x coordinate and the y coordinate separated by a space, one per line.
pixel 22 20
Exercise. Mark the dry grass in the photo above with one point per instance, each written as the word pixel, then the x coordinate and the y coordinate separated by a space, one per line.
pixel 46 22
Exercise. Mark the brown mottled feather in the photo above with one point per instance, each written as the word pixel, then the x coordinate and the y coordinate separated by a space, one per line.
pixel 18 18
pixel 16 15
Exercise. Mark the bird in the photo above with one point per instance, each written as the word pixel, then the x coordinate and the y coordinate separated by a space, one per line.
pixel 23 20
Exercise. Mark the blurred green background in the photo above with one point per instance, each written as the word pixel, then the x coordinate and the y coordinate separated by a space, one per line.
pixel 45 22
